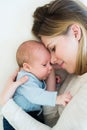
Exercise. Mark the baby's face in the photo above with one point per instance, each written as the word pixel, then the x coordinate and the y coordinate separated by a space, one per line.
pixel 41 66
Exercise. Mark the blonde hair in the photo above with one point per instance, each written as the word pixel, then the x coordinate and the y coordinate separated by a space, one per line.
pixel 55 19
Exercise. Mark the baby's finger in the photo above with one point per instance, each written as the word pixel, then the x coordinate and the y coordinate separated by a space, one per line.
pixel 68 94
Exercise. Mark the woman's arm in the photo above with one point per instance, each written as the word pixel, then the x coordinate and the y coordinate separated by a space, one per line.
pixel 19 119
pixel 11 87
pixel 74 116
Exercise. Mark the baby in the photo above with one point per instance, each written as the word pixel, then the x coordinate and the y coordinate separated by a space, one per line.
pixel 34 60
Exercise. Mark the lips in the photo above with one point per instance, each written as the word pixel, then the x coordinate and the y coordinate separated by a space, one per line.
pixel 61 64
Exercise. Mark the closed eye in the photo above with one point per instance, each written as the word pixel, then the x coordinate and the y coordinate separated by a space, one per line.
pixel 52 49
pixel 44 64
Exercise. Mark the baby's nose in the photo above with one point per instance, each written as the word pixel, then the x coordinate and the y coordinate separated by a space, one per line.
pixel 50 66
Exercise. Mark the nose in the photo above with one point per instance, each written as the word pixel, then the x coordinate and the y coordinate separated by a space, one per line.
pixel 50 67
pixel 53 59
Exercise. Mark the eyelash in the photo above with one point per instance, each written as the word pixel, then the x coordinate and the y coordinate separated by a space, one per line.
pixel 52 49
pixel 44 65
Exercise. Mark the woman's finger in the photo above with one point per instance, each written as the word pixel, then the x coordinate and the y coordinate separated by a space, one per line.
pixel 21 81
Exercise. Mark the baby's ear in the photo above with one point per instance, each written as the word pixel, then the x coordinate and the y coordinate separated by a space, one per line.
pixel 26 67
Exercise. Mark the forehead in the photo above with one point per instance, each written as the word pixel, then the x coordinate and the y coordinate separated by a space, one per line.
pixel 42 53
pixel 46 40
pixel 49 41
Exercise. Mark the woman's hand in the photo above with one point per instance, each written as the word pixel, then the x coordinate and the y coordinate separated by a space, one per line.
pixel 11 87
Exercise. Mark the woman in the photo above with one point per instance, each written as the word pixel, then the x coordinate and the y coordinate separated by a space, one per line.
pixel 62 27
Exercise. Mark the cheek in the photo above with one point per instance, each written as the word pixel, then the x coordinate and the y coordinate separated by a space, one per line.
pixel 70 60
pixel 61 48
pixel 69 49
pixel 60 52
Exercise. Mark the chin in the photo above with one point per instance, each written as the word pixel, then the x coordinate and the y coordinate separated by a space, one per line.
pixel 70 71
pixel 45 78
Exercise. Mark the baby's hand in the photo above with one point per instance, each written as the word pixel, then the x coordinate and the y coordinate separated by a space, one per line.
pixel 64 99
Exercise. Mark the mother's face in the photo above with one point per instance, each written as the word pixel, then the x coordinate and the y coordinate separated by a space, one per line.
pixel 63 49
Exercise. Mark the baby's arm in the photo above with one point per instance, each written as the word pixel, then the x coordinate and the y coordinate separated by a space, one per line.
pixel 63 99
pixel 51 81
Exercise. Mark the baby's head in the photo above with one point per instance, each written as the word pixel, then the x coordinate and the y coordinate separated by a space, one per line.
pixel 33 57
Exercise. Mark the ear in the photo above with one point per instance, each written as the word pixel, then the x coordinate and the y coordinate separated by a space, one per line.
pixel 76 31
pixel 26 67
